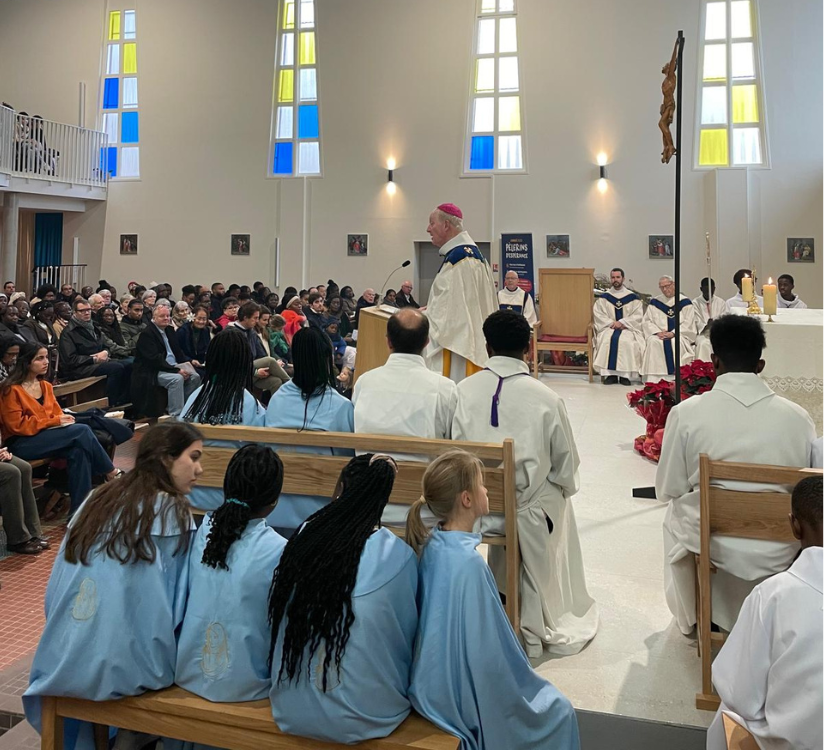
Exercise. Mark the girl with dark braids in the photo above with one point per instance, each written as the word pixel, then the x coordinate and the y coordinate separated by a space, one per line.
pixel 224 398
pixel 308 402
pixel 343 615
pixel 224 641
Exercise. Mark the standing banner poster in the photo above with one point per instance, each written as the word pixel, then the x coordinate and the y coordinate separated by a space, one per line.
pixel 517 255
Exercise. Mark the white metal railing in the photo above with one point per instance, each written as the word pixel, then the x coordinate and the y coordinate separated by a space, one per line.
pixel 59 275
pixel 36 148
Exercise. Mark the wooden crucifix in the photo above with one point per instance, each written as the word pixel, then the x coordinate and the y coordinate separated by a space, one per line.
pixel 668 106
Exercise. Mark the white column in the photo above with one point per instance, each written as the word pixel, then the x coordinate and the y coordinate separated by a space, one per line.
pixel 11 221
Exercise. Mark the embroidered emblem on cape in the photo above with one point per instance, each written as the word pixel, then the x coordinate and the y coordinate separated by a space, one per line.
pixel 85 603
pixel 215 655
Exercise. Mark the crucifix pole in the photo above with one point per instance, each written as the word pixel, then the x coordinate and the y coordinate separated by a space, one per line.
pixel 677 233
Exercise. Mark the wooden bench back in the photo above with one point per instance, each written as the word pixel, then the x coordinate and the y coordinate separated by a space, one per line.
pixel 565 300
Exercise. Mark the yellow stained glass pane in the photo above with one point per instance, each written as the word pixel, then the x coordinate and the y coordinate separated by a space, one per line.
pixel 286 86
pixel 289 14
pixel 114 25
pixel 485 74
pixel 745 105
pixel 713 148
pixel 130 58
pixel 307 56
pixel 509 116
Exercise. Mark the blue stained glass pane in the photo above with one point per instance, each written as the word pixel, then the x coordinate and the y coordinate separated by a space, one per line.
pixel 308 121
pixel 108 161
pixel 111 91
pixel 481 152
pixel 283 158
pixel 129 128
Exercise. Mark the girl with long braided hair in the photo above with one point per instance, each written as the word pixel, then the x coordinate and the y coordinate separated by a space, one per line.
pixel 308 402
pixel 224 641
pixel 343 615
pixel 471 675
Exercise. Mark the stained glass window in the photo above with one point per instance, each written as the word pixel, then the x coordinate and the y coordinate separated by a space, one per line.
pixel 119 117
pixel 296 127
pixel 730 112
pixel 495 140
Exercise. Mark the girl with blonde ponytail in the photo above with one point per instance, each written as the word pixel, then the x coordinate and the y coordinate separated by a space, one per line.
pixel 470 675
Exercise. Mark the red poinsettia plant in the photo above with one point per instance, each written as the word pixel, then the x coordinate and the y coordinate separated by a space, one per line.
pixel 654 402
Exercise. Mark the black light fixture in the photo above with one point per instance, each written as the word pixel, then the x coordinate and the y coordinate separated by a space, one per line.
pixel 390 180
pixel 601 159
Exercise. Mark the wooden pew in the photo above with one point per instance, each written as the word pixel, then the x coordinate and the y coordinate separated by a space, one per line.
pixel 178 714
pixel 71 390
pixel 313 474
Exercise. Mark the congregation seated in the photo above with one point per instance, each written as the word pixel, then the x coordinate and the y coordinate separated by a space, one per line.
pixel 779 432
pixel 503 401
pixel 343 612
pixel 314 311
pixel 658 327
pixel 132 325
pixel 737 300
pixel 67 294
pixel 149 299
pixel 39 327
pixel 193 337
pixel 18 506
pixel 308 402
pixel 123 563
pixel 619 341
pixel 293 315
pixel 9 349
pixel 9 322
pixel 787 299
pixel 83 354
pixel 349 303
pixel 707 308
pixel 46 293
pixel 404 296
pixel 62 316
pixel 107 325
pixel 470 675
pixel 181 314
pixel 769 671
pixel 367 299
pixel 229 311
pixel 278 345
pixel 268 374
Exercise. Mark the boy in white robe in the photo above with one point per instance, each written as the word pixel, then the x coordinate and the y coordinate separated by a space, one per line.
pixel 463 294
pixel 738 300
pixel 786 299
pixel 503 401
pixel 769 672
pixel 707 307
pixel 617 318
pixel 743 420
pixel 659 328
pixel 516 299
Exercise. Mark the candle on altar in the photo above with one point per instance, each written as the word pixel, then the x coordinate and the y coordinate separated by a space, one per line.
pixel 769 297
pixel 747 288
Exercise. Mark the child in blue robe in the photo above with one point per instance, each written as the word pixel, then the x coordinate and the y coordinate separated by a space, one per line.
pixel 117 592
pixel 308 402
pixel 343 614
pixel 225 398
pixel 470 675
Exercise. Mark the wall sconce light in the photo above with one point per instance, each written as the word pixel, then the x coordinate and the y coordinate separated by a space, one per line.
pixel 391 188
pixel 601 159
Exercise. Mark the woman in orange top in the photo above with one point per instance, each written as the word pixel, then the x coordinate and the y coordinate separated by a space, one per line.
pixel 29 415
pixel 293 316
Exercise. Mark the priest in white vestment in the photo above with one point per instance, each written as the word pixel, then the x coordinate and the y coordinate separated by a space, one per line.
pixel 738 300
pixel 503 401
pixel 463 294
pixel 617 318
pixel 769 672
pixel 659 328
pixel 516 299
pixel 786 299
pixel 740 419
pixel 707 307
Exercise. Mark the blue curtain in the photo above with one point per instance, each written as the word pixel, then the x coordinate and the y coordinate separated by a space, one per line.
pixel 48 239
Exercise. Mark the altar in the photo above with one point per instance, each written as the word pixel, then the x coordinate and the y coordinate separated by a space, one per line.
pixel 793 358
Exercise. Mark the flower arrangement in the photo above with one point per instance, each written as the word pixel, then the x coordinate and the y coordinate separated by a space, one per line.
pixel 654 402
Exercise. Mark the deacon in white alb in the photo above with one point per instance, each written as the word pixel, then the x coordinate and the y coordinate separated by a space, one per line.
pixel 769 672
pixel 738 300
pixel 659 329
pixel 787 299
pixel 707 307
pixel 617 317
pixel 463 294
pixel 741 420
pixel 516 299
pixel 502 402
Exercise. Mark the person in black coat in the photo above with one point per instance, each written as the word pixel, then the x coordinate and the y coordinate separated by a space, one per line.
pixel 159 361
pixel 193 339
pixel 404 296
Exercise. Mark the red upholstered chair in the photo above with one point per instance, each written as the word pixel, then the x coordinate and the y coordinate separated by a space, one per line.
pixel 565 317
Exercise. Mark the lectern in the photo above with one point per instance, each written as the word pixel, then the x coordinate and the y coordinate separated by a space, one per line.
pixel 372 339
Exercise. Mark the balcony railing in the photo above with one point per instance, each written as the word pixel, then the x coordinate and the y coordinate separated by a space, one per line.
pixel 35 148
pixel 59 275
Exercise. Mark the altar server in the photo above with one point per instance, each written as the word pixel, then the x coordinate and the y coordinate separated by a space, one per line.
pixel 787 299
pixel 224 640
pixel 308 402
pixel 470 675
pixel 738 300
pixel 224 399
pixel 617 319
pixel 502 402
pixel 123 562
pixel 740 419
pixel 344 616
pixel 707 307
pixel 463 294
pixel 659 328
pixel 516 299
pixel 769 672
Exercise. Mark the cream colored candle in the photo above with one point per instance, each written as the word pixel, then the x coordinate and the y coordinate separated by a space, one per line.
pixel 769 297
pixel 747 288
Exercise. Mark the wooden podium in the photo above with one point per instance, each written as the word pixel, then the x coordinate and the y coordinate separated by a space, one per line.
pixel 372 340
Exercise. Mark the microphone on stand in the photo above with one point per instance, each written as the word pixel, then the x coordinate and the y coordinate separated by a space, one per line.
pixel 403 265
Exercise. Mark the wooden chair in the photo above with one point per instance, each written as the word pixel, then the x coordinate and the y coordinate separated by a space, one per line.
pixel 565 317
pixel 179 714
pixel 736 736
pixel 744 514
pixel 313 474
pixel 71 390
